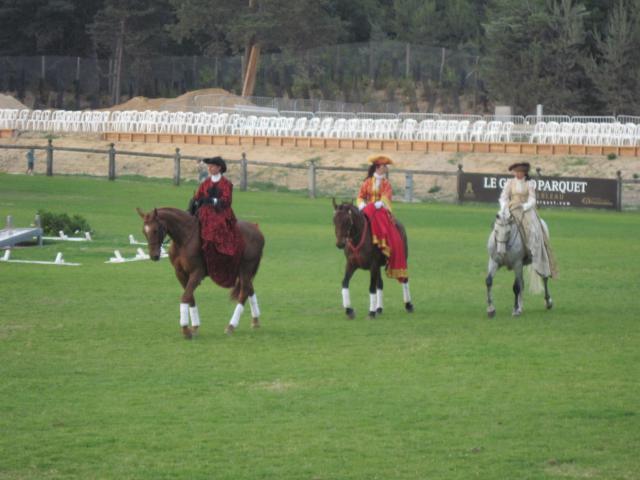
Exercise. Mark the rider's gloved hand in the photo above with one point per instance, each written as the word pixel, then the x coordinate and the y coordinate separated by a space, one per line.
pixel 379 204
pixel 361 206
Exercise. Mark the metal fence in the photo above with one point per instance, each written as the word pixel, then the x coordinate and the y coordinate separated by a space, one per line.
pixel 336 78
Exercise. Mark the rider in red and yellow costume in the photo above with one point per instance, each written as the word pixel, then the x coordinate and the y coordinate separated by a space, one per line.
pixel 222 244
pixel 374 200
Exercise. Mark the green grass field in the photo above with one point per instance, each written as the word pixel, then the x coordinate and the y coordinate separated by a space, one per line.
pixel 97 381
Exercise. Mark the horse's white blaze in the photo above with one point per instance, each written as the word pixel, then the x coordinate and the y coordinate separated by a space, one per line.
pixel 406 295
pixel 253 303
pixel 146 229
pixel 184 314
pixel 237 313
pixel 379 298
pixel 195 316
pixel 346 298
pixel 373 301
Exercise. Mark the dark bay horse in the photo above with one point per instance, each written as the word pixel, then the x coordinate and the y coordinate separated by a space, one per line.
pixel 506 248
pixel 187 260
pixel 353 235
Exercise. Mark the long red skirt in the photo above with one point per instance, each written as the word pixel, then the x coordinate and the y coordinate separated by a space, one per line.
pixel 223 269
pixel 386 236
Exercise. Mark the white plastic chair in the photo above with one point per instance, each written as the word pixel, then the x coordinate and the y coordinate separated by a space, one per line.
pixel 23 118
pixel 325 127
pixel 564 134
pixel 426 130
pixel 299 127
pixel 407 129
pixel 492 133
pixel 538 132
pixel 550 134
pixel 578 133
pixel 337 129
pixel 462 131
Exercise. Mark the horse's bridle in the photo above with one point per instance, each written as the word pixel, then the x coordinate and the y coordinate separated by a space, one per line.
pixel 355 249
pixel 161 233
pixel 495 237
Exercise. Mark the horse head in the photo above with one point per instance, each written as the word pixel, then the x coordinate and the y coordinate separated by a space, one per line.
pixel 502 232
pixel 155 232
pixel 343 221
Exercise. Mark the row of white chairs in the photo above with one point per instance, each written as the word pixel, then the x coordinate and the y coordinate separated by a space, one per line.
pixel 214 123
pixel 616 133
pixel 54 120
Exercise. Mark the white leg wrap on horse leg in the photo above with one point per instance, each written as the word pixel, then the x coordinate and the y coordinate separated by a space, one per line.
pixel 379 298
pixel 405 292
pixel 184 314
pixel 346 298
pixel 235 319
pixel 373 301
pixel 195 316
pixel 253 303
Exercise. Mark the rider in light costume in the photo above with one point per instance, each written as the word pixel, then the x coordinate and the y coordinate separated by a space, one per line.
pixel 518 198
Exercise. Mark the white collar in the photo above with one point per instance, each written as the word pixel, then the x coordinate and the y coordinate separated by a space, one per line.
pixel 378 177
pixel 216 178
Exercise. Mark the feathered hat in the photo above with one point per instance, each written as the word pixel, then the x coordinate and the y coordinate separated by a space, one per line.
pixel 380 160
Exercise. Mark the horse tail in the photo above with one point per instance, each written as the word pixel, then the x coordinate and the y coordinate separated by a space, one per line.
pixel 235 291
pixel 405 239
pixel 534 280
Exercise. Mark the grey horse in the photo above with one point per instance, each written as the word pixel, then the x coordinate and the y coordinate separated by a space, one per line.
pixel 506 248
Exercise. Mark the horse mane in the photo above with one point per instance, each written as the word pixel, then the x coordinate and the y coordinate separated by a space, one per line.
pixel 175 214
pixel 348 206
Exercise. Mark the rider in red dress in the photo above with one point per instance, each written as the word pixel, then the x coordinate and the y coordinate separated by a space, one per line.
pixel 221 241
pixel 374 200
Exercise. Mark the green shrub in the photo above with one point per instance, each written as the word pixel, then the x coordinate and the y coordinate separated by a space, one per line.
pixel 435 189
pixel 612 156
pixel 52 223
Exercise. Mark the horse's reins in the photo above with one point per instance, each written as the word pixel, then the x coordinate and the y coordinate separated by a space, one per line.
pixel 162 232
pixel 520 231
pixel 355 249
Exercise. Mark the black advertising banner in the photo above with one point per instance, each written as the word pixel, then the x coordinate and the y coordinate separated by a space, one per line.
pixel 550 191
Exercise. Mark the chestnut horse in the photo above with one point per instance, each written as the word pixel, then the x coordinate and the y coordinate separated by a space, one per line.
pixel 353 235
pixel 187 260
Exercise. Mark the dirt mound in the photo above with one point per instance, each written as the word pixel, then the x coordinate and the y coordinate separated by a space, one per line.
pixel 7 101
pixel 187 101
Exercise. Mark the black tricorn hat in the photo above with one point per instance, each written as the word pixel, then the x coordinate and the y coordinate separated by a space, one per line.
pixel 216 161
pixel 524 166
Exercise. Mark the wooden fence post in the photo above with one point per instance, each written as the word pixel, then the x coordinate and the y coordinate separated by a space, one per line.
pixel 459 183
pixel 243 173
pixel 619 191
pixel 312 179
pixel 176 168
pixel 49 158
pixel 112 162
pixel 408 187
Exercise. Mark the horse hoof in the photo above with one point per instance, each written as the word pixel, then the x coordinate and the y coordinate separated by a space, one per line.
pixel 194 331
pixel 491 312
pixel 408 307
pixel 230 329
pixel 372 315
pixel 549 304
pixel 516 312
pixel 186 333
pixel 255 323
pixel 350 313
pixel 379 311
